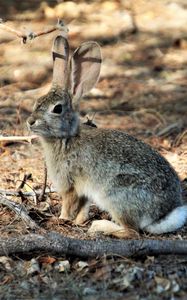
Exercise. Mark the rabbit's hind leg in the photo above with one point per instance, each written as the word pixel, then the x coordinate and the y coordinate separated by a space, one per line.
pixel 110 228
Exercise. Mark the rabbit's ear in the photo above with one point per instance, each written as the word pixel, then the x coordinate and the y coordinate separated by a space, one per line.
pixel 85 69
pixel 60 53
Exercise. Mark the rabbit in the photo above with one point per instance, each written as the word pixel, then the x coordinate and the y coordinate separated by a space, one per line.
pixel 119 173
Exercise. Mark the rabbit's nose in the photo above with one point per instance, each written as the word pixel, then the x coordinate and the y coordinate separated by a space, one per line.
pixel 31 121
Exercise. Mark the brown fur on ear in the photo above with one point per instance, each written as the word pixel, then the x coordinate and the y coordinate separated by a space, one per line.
pixel 60 53
pixel 85 69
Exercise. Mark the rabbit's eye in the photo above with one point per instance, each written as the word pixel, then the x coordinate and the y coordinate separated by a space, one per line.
pixel 57 109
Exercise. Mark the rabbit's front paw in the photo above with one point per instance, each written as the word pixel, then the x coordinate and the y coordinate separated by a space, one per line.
pixel 70 205
pixel 82 215
pixel 65 216
pixel 81 218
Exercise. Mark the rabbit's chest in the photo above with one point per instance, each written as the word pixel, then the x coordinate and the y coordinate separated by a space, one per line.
pixel 59 175
pixel 59 167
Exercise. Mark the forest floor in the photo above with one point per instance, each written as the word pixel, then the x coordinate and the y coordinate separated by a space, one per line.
pixel 142 90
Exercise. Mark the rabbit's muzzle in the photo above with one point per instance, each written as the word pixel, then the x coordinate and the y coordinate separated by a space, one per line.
pixel 32 123
pixel 52 125
pixel 35 125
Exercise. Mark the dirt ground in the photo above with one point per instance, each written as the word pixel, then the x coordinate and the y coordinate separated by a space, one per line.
pixel 142 90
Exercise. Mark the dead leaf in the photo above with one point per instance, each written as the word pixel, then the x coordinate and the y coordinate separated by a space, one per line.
pixel 34 267
pixel 47 260
pixel 7 279
pixel 127 277
pixel 62 266
pixel 80 265
pixel 6 262
pixel 103 273
pixel 163 284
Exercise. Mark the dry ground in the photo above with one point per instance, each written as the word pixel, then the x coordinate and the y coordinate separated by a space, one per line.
pixel 142 90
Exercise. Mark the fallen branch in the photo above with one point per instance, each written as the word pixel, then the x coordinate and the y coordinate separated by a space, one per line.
pixel 32 35
pixel 20 210
pixel 28 138
pixel 56 244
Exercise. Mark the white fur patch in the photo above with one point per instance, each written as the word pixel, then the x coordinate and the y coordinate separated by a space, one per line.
pixel 172 222
pixel 104 226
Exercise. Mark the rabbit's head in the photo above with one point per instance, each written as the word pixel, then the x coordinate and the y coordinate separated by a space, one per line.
pixel 56 114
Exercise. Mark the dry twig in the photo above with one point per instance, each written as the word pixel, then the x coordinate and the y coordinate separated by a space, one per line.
pixel 32 35
pixel 41 196
pixel 23 181
pixel 179 138
pixel 28 138
pixel 26 194
pixel 160 119
pixel 135 28
pixel 170 129
pixel 20 210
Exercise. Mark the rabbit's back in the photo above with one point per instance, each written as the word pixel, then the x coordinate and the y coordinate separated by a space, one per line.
pixel 114 152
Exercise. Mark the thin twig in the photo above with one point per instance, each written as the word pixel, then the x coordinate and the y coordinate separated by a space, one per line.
pixel 26 194
pixel 133 18
pixel 160 119
pixel 23 181
pixel 170 129
pixel 28 138
pixel 32 35
pixel 20 210
pixel 41 196
pixel 179 138
pixel 23 196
